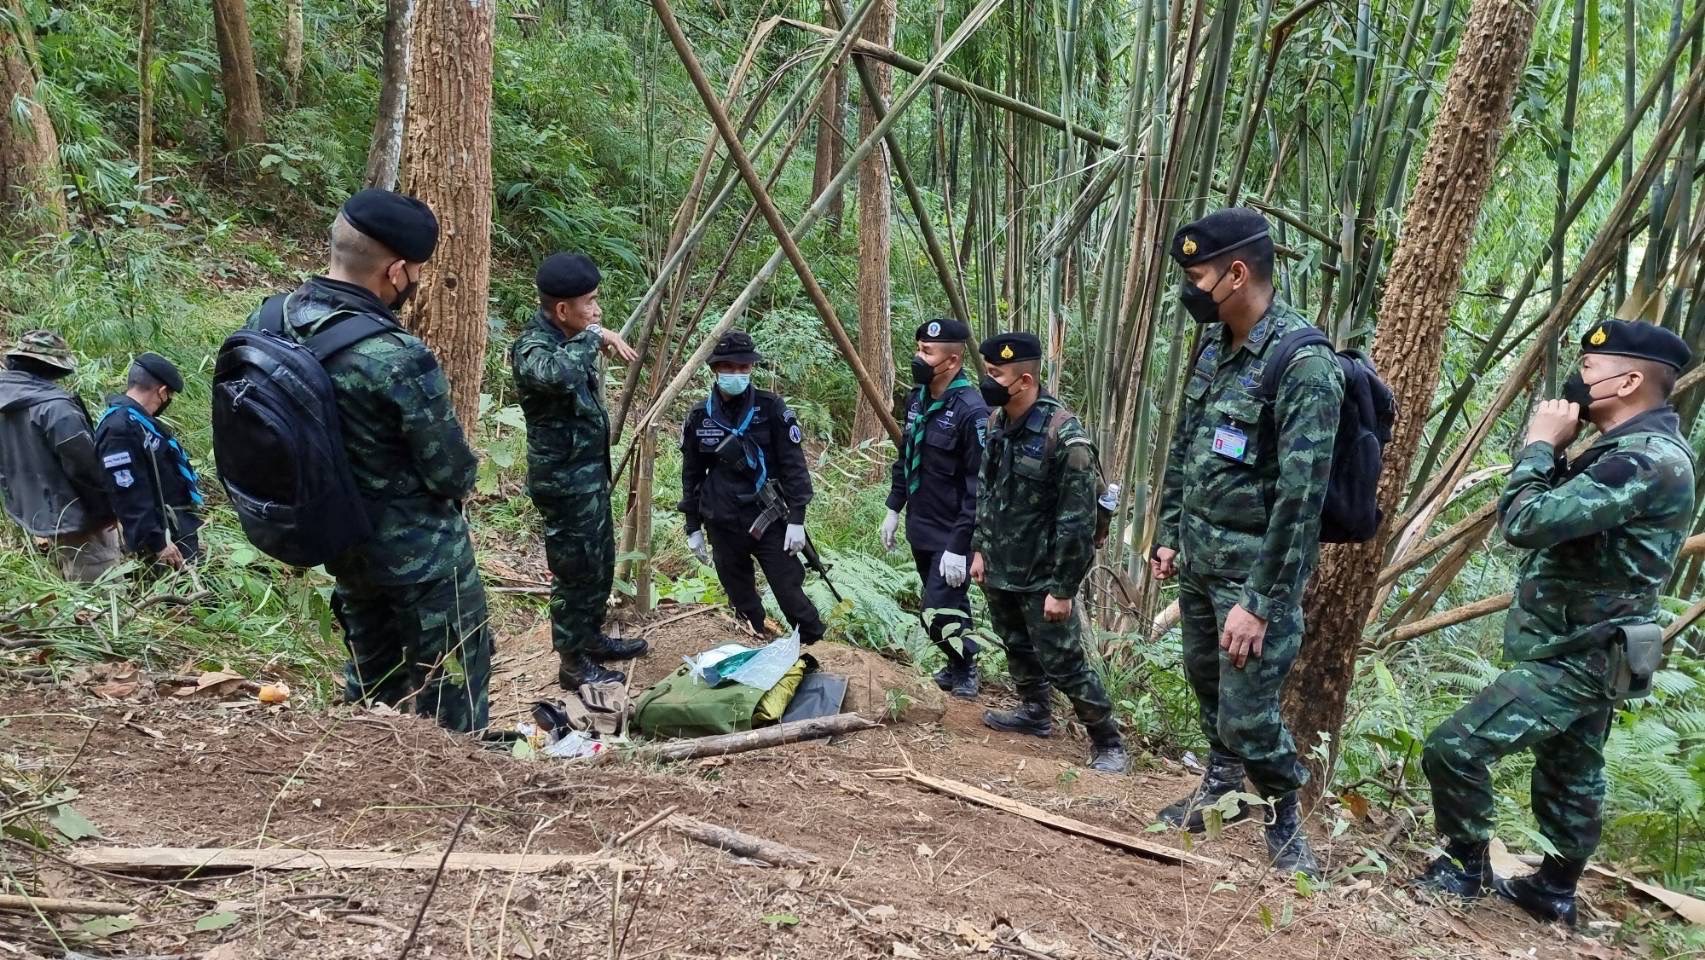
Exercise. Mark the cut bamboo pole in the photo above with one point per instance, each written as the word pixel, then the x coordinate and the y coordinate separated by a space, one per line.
pixel 742 844
pixel 879 401
pixel 93 908
pixel 762 738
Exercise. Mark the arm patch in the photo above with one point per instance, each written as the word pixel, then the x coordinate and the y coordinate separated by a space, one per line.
pixel 1079 453
pixel 1619 468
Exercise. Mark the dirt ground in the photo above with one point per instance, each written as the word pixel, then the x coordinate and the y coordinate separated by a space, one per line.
pixel 904 872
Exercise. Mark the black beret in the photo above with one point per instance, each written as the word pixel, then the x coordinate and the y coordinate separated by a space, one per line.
pixel 403 224
pixel 735 347
pixel 162 370
pixel 1642 341
pixel 568 275
pixel 1216 234
pixel 943 330
pixel 1011 348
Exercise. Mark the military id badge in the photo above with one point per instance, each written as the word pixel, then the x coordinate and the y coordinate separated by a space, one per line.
pixel 1230 442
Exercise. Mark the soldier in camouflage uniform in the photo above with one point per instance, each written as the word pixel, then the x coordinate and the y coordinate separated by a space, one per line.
pixel 1240 519
pixel 409 598
pixel 1033 545
pixel 555 361
pixel 1604 530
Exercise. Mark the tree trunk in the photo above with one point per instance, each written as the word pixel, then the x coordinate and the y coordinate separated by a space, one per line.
pixel 293 39
pixel 1421 286
pixel 31 200
pixel 447 163
pixel 145 101
pixel 237 77
pixel 385 154
pixel 875 200
pixel 831 136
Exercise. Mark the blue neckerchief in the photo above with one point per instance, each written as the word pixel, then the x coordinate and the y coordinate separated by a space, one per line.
pixel 178 453
pixel 740 433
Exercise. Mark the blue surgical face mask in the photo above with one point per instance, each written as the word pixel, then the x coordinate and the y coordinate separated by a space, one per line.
pixel 733 384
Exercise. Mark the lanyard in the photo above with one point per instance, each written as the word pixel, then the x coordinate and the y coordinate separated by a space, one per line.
pixel 759 464
pixel 178 455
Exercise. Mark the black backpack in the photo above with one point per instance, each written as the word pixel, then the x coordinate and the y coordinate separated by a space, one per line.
pixel 277 441
pixel 1351 513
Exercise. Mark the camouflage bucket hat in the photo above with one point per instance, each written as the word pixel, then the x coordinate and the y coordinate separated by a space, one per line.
pixel 46 347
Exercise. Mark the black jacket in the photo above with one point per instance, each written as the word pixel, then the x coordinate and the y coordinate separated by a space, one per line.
pixel 153 488
pixel 50 476
pixel 723 489
pixel 942 512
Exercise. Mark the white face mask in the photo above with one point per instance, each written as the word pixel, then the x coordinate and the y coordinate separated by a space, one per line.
pixel 733 384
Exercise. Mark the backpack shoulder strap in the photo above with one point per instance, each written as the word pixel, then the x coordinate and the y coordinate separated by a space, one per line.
pixel 272 313
pixel 1283 352
pixel 342 331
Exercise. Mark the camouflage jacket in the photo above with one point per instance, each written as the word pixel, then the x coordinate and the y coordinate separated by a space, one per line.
pixel 406 450
pixel 1604 529
pixel 1036 511
pixel 561 392
pixel 1245 479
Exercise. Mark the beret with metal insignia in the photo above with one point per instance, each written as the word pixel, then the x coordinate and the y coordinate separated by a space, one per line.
pixel 1217 234
pixel 1011 348
pixel 943 330
pixel 1642 341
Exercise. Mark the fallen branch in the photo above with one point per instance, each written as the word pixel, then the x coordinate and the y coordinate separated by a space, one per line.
pixel 762 738
pixel 660 816
pixel 201 860
pixel 995 801
pixel 97 908
pixel 426 901
pixel 741 844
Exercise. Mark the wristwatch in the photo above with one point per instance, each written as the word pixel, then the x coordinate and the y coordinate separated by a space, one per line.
pixel 596 329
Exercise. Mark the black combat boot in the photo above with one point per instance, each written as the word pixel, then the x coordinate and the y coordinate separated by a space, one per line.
pixel 947 676
pixel 1548 895
pixel 607 647
pixel 578 668
pixel 1032 717
pixel 1224 775
pixel 1287 842
pixel 1465 871
pixel 1107 748
pixel 966 685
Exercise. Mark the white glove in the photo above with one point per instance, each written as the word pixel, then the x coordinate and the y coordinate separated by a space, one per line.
pixel 795 539
pixel 695 543
pixel 890 527
pixel 953 569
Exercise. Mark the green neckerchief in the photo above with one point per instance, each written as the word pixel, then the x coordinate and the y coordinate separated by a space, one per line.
pixel 914 443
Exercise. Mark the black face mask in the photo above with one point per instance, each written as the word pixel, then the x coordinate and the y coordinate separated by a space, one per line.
pixel 922 372
pixel 163 405
pixel 995 393
pixel 1199 303
pixel 1578 391
pixel 405 294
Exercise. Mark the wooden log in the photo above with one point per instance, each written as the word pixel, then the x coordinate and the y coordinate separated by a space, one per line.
pixel 760 739
pixel 191 860
pixel 741 844
pixel 1113 838
pixel 98 908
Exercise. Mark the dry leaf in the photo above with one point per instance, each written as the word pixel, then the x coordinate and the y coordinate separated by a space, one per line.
pixel 905 951
pixel 213 683
pixel 224 951
pixel 925 851
pixel 116 689
pixel 882 911
pixel 1356 803
pixel 975 939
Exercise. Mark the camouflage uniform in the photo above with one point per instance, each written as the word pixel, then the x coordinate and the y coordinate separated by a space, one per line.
pixel 1241 505
pixel 568 474
pixel 1604 531
pixel 1036 532
pixel 409 598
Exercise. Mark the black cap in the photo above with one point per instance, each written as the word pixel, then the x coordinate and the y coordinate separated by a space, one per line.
pixel 568 275
pixel 162 370
pixel 1011 348
pixel 1642 341
pixel 735 347
pixel 1217 234
pixel 403 224
pixel 943 330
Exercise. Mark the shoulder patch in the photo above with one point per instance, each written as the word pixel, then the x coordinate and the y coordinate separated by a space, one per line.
pixel 794 434
pixel 983 434
pixel 118 459
pixel 1079 455
pixel 1619 468
pixel 123 478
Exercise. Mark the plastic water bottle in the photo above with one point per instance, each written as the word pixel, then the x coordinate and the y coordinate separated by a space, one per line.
pixel 1110 498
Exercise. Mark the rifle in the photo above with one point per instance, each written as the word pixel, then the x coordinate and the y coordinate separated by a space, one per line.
pixel 775 508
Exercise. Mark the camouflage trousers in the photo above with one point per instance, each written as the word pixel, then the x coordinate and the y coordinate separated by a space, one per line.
pixel 1239 709
pixel 420 645
pixel 1040 653
pixel 1559 709
pixel 580 549
pixel 946 609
